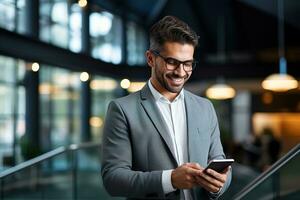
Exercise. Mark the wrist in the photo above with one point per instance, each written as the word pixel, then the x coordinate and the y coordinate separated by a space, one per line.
pixel 172 179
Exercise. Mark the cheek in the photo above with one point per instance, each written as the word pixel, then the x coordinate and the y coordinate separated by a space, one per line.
pixel 188 75
pixel 160 70
pixel 159 73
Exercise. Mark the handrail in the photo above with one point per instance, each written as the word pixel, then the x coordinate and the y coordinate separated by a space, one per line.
pixel 46 156
pixel 266 174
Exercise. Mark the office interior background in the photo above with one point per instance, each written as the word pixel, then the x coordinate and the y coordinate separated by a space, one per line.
pixel 62 61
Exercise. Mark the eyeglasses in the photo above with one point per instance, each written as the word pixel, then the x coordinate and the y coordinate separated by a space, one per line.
pixel 173 64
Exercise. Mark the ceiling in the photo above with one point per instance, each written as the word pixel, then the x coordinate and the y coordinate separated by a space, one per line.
pixel 238 38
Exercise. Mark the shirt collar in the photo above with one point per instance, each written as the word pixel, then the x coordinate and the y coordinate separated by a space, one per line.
pixel 159 97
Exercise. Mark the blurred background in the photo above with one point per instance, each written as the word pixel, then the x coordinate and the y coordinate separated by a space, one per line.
pixel 63 61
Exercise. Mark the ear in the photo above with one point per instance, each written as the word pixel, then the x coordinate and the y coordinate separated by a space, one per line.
pixel 150 58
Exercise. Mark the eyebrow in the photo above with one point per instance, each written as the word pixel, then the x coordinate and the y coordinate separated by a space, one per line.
pixel 192 60
pixel 165 57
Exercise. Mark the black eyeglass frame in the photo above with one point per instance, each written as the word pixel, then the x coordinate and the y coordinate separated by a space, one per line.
pixel 175 63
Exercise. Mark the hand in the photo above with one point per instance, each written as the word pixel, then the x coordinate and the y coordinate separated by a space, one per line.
pixel 183 177
pixel 211 180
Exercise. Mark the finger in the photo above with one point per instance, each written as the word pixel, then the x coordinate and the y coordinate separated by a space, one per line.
pixel 207 185
pixel 207 180
pixel 212 180
pixel 191 179
pixel 193 172
pixel 216 175
pixel 213 189
pixel 194 165
pixel 226 170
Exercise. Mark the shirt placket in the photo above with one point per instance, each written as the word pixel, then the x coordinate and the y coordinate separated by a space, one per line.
pixel 172 107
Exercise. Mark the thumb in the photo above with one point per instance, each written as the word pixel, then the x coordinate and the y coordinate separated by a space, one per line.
pixel 226 170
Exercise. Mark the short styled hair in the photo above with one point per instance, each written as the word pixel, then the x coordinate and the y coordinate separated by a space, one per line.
pixel 171 29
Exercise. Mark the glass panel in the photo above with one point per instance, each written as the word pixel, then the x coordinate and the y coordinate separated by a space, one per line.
pixel 21 102
pixel 59 35
pixel 6 99
pixel 106 36
pixel 89 182
pixel 7 17
pixel 60 107
pixel 51 179
pixel 7 69
pixel 21 70
pixel 62 8
pixel 21 16
pixel 70 175
pixel 75 28
pixel 63 29
pixel 284 184
pixel 6 140
pixel 136 44
pixel 6 130
pixel 7 110
pixel 103 91
pixel 12 109
pixel 289 179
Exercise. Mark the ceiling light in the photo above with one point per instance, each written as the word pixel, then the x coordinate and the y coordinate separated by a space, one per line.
pixel 82 3
pixel 96 122
pixel 35 67
pixel 84 76
pixel 281 82
pixel 136 86
pixel 220 91
pixel 103 84
pixel 125 83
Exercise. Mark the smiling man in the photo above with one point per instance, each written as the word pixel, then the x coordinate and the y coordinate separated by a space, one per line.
pixel 157 141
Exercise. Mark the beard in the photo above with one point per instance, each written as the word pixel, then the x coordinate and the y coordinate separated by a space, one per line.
pixel 166 80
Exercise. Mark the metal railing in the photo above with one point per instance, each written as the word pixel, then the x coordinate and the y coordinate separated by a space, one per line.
pixel 35 173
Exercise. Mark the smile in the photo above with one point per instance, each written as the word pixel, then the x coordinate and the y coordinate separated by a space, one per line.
pixel 177 81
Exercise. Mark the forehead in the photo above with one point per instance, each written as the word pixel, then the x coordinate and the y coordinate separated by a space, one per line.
pixel 178 50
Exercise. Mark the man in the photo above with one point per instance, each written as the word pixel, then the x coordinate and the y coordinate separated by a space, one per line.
pixel 157 141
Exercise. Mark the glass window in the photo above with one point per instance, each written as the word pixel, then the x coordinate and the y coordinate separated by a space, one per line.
pixel 21 25
pixel 8 13
pixel 12 108
pixel 63 29
pixel 75 28
pixel 12 15
pixel 103 91
pixel 106 36
pixel 136 44
pixel 60 107
pixel 7 69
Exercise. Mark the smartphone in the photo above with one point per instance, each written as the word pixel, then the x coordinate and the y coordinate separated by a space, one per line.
pixel 219 165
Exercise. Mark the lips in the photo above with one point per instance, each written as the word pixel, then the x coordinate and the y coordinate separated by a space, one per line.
pixel 176 81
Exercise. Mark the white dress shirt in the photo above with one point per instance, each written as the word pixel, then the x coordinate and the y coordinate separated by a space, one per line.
pixel 174 115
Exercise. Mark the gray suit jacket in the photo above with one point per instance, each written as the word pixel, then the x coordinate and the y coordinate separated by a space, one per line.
pixel 137 148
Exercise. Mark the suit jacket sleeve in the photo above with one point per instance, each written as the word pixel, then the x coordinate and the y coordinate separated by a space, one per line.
pixel 216 150
pixel 118 177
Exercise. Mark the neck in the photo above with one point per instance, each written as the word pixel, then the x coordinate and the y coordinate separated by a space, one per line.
pixel 169 95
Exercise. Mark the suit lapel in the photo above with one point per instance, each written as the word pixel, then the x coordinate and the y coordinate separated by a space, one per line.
pixel 192 127
pixel 155 116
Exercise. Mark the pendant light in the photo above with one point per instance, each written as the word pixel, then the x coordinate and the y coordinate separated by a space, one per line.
pixel 280 82
pixel 220 90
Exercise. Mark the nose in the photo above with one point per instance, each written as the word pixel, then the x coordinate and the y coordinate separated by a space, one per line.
pixel 180 70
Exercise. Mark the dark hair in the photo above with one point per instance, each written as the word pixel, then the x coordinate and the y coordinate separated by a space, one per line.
pixel 171 29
